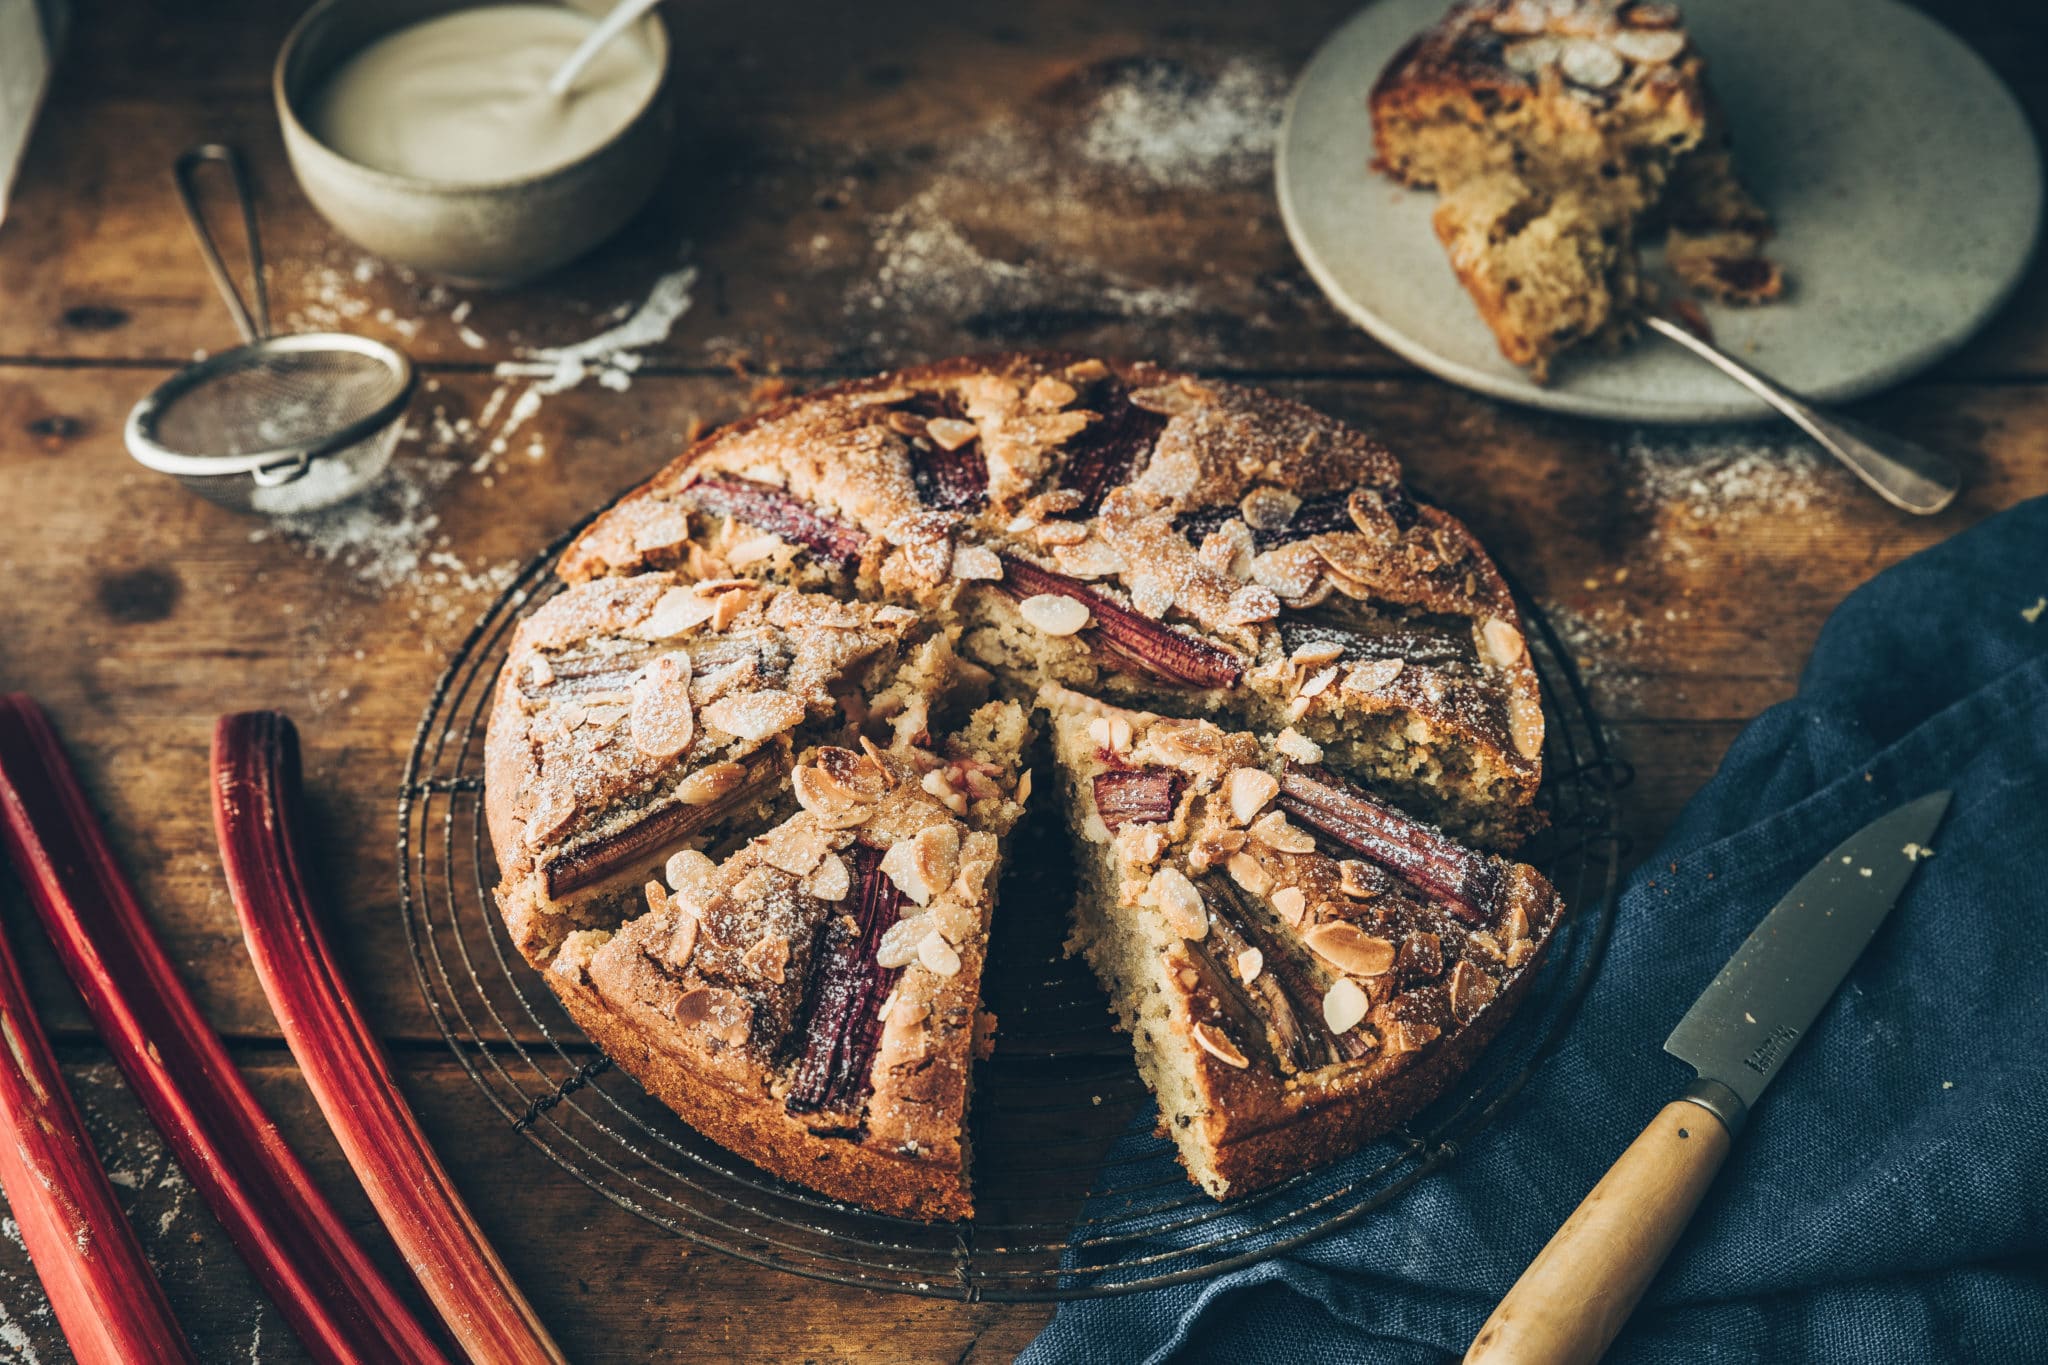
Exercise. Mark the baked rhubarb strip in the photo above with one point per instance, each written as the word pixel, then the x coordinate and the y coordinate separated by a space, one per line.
pixel 256 816
pixel 1160 650
pixel 334 1297
pixel 1137 796
pixel 1286 982
pixel 843 1029
pixel 768 508
pixel 106 1298
pixel 1464 882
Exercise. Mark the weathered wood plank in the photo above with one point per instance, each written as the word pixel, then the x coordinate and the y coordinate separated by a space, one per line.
pixel 902 184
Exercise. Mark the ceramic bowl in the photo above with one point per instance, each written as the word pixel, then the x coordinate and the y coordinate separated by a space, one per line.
pixel 493 233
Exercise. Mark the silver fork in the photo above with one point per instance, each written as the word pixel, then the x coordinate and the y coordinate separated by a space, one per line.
pixel 1908 476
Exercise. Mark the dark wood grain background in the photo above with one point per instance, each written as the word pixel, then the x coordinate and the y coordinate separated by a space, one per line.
pixel 856 186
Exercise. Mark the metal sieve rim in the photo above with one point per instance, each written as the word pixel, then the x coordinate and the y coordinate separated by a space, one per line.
pixel 280 464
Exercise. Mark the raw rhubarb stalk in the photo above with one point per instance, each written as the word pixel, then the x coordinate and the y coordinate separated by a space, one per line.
pixel 1464 882
pixel 256 816
pixel 768 508
pixel 1136 796
pixel 1163 652
pixel 1107 451
pixel 842 1025
pixel 331 1293
pixel 106 1298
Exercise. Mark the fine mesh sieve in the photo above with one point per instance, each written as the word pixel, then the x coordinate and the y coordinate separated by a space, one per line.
pixel 280 423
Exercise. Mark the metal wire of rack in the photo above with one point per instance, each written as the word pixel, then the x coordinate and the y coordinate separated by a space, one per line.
pixel 1077 1194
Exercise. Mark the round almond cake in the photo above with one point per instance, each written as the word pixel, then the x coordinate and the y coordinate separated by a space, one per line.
pixel 751 775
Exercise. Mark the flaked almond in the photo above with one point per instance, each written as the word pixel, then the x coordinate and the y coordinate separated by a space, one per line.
pixel 1350 949
pixel 1525 724
pixel 926 865
pixel 834 804
pixel 1250 790
pixel 950 433
pixel 755 715
pixel 1344 1005
pixel 1252 604
pixel 662 719
pixel 1245 870
pixel 1091 558
pixel 1229 549
pixel 554 807
pixel 1298 746
pixel 1287 573
pixel 1532 54
pixel 539 672
pixel 682 944
pixel 1316 653
pixel 727 607
pixel 1250 963
pixel 1590 63
pixel 796 847
pixel 1292 903
pixel 1504 644
pixel 1269 509
pixel 976 562
pixel 1274 831
pixel 938 956
pixel 1053 534
pixel 1471 991
pixel 898 945
pixel 657 896
pixel 689 873
pixel 1151 595
pixel 710 785
pixel 1317 683
pixel 753 550
pixel 832 880
pixel 1111 732
pixel 1217 1044
pixel 1651 47
pixel 1054 614
pixel 1176 896
pixel 675 611
pixel 1024 788
pixel 1373 675
pixel 1359 880
pixel 1408 1035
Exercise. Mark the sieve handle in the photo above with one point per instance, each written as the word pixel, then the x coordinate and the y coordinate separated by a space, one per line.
pixel 187 175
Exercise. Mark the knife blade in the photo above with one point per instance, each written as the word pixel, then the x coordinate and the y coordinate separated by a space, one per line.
pixel 1738 1033
pixel 1575 1295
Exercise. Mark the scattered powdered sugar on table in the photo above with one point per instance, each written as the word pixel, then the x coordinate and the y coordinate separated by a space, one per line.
pixel 1719 475
pixel 1165 125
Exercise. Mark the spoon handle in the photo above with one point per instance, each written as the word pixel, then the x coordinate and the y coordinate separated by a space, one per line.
pixel 611 26
pixel 1908 476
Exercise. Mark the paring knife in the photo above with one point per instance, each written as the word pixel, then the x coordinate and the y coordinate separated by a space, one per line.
pixel 1575 1295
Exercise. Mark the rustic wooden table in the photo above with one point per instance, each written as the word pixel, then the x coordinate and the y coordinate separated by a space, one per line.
pixel 857 186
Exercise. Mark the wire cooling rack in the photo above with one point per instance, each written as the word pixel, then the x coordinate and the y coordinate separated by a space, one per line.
pixel 1077 1194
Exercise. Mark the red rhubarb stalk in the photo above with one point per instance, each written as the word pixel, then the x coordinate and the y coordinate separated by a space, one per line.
pixel 331 1293
pixel 256 816
pixel 106 1297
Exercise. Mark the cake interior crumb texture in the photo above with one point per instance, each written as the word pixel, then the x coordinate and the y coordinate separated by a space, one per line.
pixel 753 774
pixel 1563 138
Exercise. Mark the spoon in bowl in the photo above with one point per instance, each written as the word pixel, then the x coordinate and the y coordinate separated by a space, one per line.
pixel 622 17
pixel 1908 476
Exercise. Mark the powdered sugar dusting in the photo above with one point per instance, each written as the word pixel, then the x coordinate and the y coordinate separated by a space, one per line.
pixel 1718 476
pixel 1164 125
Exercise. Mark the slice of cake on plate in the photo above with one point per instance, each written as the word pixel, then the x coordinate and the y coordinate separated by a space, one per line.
pixel 1564 134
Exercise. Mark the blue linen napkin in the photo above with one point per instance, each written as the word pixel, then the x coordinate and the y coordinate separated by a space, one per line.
pixel 1889 1198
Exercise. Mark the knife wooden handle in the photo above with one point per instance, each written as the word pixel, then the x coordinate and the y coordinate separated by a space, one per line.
pixel 1578 1291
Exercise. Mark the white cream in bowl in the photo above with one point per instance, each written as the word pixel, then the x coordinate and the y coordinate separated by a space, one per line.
pixel 463 98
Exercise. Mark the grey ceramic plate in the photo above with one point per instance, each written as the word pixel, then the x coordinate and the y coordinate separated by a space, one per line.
pixel 1904 180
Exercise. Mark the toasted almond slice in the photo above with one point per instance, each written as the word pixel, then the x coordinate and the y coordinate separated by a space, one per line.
pixel 937 783
pixel 1186 913
pixel 1292 903
pixel 1244 869
pixel 1407 1035
pixel 1054 614
pixel 1269 509
pixel 1252 604
pixel 1152 595
pixel 682 944
pixel 1090 558
pixel 662 719
pixel 1316 653
pixel 1250 790
pixel 1318 682
pixel 1344 1005
pixel 675 611
pixel 950 433
pixel 796 847
pixel 689 871
pixel 898 945
pixel 1350 949
pixel 755 715
pixel 1298 746
pixel 832 804
pixel 1250 963
pixel 657 896
pixel 1273 830
pixel 976 562
pixel 1471 991
pixel 1357 880
pixel 1650 47
pixel 710 785
pixel 832 880
pixel 1504 644
pixel 1372 675
pixel 1217 1044
pixel 539 672
pixel 1024 788
pixel 939 956
pixel 553 808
